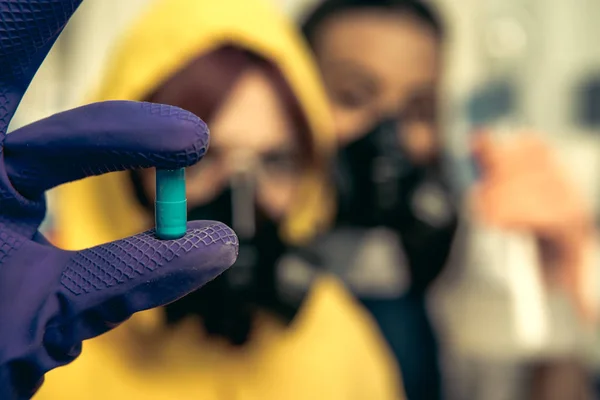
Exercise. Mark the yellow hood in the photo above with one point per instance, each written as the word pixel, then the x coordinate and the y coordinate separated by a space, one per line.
pixel 166 38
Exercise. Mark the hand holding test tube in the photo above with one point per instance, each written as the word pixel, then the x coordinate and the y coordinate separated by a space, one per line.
pixel 524 194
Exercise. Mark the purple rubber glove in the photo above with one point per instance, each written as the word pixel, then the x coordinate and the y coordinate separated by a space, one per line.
pixel 50 299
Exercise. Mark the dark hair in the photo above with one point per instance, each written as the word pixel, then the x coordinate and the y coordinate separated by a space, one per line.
pixel 204 84
pixel 416 9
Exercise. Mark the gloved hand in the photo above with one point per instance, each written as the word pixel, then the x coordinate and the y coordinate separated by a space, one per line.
pixel 50 299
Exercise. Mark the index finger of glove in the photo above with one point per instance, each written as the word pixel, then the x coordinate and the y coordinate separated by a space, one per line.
pixel 100 138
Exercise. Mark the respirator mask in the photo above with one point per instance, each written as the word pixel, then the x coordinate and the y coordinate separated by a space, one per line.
pixel 227 304
pixel 379 186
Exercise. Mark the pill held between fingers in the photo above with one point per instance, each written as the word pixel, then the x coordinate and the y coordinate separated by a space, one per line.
pixel 171 204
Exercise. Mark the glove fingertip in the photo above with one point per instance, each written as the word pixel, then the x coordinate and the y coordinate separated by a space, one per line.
pixel 188 136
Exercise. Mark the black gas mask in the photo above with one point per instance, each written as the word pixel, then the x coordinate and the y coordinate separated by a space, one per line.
pixel 227 304
pixel 380 187
pixel 373 179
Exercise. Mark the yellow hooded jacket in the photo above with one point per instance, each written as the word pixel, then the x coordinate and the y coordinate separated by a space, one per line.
pixel 332 349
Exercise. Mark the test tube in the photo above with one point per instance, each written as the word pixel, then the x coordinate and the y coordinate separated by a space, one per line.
pixel 171 204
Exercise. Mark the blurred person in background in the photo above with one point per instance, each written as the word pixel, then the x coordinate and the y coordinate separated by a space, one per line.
pixel 380 62
pixel 395 227
pixel 241 67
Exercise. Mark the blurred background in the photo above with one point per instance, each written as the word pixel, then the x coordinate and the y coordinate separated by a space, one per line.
pixel 524 62
pixel 523 59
